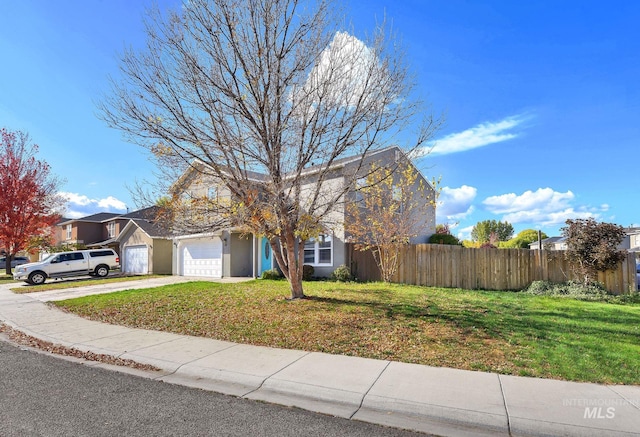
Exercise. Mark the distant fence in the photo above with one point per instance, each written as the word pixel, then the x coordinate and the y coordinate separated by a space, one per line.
pixel 438 265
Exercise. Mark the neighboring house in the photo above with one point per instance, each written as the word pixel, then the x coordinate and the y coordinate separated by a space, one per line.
pixel 96 230
pixel 103 230
pixel 228 252
pixel 59 232
pixel 56 234
pixel 551 243
pixel 145 247
pixel 631 242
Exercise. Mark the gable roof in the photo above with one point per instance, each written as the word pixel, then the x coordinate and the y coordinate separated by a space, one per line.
pixel 94 218
pixel 550 240
pixel 152 229
pixel 148 213
pixel 336 164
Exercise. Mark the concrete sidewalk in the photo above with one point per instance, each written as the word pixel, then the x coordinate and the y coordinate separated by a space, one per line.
pixel 434 400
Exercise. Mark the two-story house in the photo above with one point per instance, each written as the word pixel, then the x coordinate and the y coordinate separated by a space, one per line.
pixel 100 228
pixel 144 245
pixel 226 251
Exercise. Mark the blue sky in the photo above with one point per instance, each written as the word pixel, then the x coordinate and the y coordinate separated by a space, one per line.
pixel 542 102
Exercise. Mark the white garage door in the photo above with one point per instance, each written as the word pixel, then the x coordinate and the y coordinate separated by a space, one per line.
pixel 136 260
pixel 202 258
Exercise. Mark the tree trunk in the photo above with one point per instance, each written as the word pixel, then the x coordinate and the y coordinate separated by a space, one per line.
pixel 290 264
pixel 296 287
pixel 7 264
pixel 295 267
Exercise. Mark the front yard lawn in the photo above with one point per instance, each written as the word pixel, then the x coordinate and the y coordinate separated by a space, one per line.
pixel 83 281
pixel 504 332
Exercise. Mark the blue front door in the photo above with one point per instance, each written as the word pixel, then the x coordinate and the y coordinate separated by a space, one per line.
pixel 266 257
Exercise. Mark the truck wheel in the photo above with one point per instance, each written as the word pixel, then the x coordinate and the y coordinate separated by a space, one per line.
pixel 37 278
pixel 101 271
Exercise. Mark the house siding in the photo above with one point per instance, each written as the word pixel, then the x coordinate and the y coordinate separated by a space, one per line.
pixel 136 238
pixel 159 250
pixel 162 256
pixel 88 233
pixel 239 253
pixel 339 258
pixel 427 213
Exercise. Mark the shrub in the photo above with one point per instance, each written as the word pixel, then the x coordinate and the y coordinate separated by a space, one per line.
pixel 444 239
pixel 592 247
pixel 307 272
pixel 342 274
pixel 271 274
pixel 572 289
pixel 488 245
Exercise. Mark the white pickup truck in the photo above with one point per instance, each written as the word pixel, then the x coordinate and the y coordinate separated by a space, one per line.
pixel 96 262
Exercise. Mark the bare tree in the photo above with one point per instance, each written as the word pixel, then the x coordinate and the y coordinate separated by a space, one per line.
pixel 254 92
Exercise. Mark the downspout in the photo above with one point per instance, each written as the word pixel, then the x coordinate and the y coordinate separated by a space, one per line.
pixel 253 256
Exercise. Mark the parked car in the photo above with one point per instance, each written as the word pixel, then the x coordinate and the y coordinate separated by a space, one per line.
pixel 95 262
pixel 16 261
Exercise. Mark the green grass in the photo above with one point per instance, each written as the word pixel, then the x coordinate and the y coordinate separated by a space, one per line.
pixel 504 332
pixel 75 283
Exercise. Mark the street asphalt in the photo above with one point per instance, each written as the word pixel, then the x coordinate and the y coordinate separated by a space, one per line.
pixel 433 400
pixel 44 396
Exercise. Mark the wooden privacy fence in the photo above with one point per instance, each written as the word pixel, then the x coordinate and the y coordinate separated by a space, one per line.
pixel 437 265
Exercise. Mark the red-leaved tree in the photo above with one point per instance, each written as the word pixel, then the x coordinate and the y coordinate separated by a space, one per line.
pixel 28 195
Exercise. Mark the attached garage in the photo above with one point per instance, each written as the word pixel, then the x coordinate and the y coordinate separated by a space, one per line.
pixel 202 258
pixel 145 247
pixel 136 260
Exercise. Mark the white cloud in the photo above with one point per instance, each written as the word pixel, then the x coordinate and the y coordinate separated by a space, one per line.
pixel 112 203
pixel 456 203
pixel 79 205
pixel 544 199
pixel 344 74
pixel 481 135
pixel 543 207
pixel 76 199
pixel 465 233
pixel 555 218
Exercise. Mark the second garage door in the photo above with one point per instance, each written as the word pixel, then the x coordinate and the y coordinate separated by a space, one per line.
pixel 202 258
pixel 136 260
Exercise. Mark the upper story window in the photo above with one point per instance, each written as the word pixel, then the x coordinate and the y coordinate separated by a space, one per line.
pixel 69 233
pixel 396 193
pixel 319 251
pixel 212 194
pixel 111 229
pixel 360 185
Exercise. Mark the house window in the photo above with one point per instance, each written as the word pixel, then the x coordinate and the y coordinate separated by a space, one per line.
pixel 319 251
pixel 359 195
pixel 111 229
pixel 396 193
pixel 69 228
pixel 398 197
pixel 212 194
